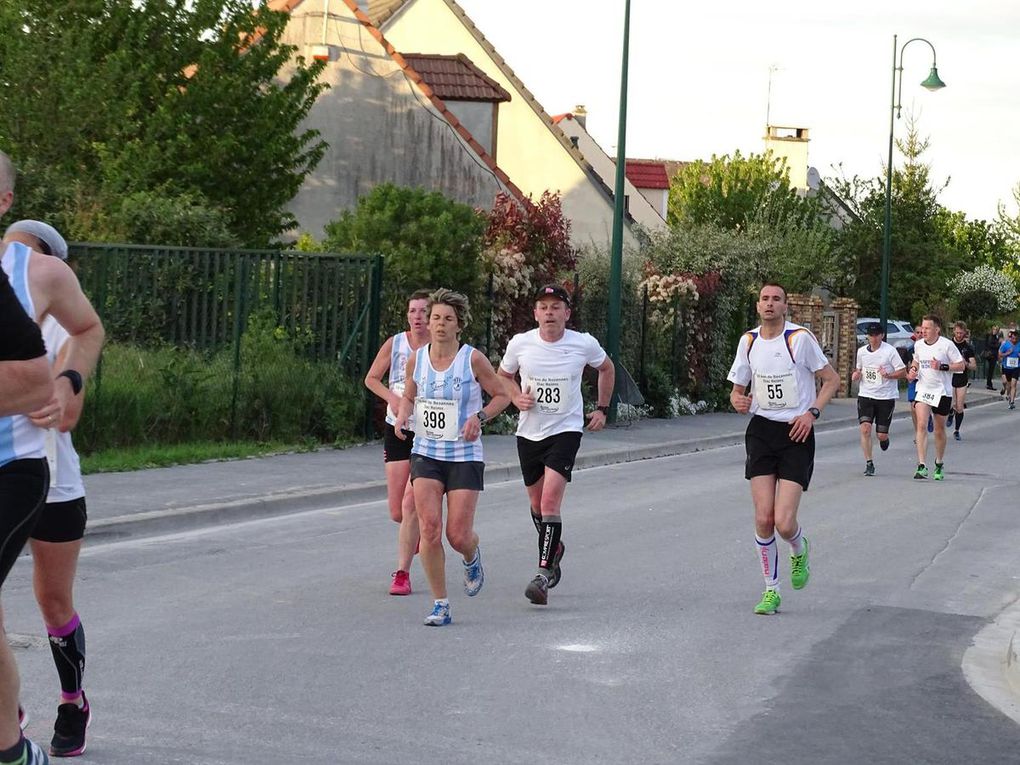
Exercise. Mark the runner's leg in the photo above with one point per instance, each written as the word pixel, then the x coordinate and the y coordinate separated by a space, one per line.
pixel 428 501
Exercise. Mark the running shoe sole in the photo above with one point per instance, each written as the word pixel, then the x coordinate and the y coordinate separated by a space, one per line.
pixel 556 573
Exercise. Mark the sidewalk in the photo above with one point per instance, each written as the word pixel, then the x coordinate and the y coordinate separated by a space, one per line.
pixel 170 499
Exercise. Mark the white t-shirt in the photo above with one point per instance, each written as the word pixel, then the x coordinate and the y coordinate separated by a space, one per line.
pixel 942 351
pixel 552 372
pixel 872 363
pixel 782 371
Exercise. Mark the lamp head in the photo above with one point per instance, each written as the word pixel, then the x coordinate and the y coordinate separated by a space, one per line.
pixel 933 82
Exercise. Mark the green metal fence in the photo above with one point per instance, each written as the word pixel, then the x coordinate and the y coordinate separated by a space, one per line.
pixel 321 310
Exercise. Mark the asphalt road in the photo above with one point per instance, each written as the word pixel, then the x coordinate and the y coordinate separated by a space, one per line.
pixel 274 641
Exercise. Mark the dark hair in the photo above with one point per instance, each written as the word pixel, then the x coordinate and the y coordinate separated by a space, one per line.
pixel 420 295
pixel 933 319
pixel 773 284
pixel 960 325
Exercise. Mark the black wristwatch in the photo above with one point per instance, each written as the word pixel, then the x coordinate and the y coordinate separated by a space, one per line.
pixel 482 416
pixel 815 412
pixel 74 377
pixel 604 410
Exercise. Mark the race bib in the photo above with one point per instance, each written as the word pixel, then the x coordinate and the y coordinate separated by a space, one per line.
pixel 776 391
pixel 930 393
pixel 552 394
pixel 398 388
pixel 1012 362
pixel 437 418
pixel 51 453
pixel 873 375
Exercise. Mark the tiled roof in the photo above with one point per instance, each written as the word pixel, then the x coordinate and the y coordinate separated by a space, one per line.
pixel 558 118
pixel 456 78
pixel 647 175
pixel 673 166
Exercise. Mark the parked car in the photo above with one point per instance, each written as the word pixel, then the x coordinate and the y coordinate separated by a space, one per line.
pixel 899 334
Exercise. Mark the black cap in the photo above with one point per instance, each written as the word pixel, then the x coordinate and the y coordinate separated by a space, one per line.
pixel 555 291
pixel 874 328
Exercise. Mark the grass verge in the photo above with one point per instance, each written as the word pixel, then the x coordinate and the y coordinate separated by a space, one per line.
pixel 142 457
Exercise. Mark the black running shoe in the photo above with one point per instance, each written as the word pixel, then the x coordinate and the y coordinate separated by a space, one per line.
pixel 883 445
pixel 556 573
pixel 69 729
pixel 537 590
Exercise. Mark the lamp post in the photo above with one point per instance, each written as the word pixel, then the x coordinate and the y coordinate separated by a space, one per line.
pixel 616 253
pixel 933 83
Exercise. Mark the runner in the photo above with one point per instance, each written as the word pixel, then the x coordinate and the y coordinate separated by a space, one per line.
pixel 447 457
pixel 782 360
pixel 56 538
pixel 878 368
pixel 43 286
pixel 961 379
pixel 935 359
pixel 392 362
pixel 551 360
pixel 1009 357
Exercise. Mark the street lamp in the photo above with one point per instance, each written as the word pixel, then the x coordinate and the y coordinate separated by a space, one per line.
pixel 616 252
pixel 933 83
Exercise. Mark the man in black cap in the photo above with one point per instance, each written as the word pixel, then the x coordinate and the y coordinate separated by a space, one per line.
pixel 551 360
pixel 878 368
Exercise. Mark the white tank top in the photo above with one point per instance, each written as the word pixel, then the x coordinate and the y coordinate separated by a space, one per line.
pixel 400 352
pixel 65 467
pixel 455 384
pixel 19 438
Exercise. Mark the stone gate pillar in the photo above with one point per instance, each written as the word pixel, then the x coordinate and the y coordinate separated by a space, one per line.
pixel 846 324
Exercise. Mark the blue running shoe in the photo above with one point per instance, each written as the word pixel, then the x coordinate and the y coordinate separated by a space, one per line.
pixel 931 424
pixel 950 417
pixel 474 576
pixel 440 615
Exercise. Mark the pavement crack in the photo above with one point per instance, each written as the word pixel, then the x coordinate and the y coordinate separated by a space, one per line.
pixel 954 535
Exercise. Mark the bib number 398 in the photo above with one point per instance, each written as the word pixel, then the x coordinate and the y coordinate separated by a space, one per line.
pixel 437 418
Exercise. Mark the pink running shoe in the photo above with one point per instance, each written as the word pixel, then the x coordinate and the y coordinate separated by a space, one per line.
pixel 401 583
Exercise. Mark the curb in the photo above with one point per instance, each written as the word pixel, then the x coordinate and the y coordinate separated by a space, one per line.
pixel 299 500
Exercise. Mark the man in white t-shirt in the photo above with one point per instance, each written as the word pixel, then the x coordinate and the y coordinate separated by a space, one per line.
pixel 773 378
pixel 551 360
pixel 935 360
pixel 878 368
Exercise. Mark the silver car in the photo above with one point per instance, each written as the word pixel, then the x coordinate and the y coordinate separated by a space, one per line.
pixel 899 334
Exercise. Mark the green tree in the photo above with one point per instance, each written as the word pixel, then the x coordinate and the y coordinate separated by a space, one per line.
pixel 426 240
pixel 182 100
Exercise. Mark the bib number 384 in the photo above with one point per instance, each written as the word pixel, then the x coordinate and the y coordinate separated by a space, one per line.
pixel 436 418
pixel 776 391
pixel 930 394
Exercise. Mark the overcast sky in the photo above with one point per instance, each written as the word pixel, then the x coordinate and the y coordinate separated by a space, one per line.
pixel 699 77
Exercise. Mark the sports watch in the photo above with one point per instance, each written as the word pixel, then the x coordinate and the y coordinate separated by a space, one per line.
pixel 815 412
pixel 482 416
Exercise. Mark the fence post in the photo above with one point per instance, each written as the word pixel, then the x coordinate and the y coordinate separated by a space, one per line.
pixel 372 334
pixel 240 280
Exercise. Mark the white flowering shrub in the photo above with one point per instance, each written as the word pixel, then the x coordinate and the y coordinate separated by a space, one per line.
pixel 511 283
pixel 986 279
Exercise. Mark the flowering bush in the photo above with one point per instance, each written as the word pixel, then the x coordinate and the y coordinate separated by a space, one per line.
pixel 989 280
pixel 511 286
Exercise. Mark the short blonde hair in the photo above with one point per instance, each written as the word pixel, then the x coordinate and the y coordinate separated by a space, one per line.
pixel 458 302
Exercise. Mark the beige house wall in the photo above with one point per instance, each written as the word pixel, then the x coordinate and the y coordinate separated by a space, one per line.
pixel 379 127
pixel 527 148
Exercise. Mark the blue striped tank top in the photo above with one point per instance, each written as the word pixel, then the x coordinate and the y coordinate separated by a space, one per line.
pixel 19 438
pixel 400 352
pixel 456 384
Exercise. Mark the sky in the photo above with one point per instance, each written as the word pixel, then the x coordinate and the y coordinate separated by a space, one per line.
pixel 699 80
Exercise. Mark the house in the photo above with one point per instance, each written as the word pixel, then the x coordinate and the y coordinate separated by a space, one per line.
pixel 642 209
pixel 384 120
pixel 533 151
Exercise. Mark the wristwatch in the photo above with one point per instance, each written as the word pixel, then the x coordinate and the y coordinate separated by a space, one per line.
pixel 604 410
pixel 482 416
pixel 74 377
pixel 815 412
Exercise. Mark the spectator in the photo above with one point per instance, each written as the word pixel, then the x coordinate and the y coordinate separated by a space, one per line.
pixel 990 354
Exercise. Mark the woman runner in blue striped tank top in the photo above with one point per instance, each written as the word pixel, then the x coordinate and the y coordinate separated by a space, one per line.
pixel 443 387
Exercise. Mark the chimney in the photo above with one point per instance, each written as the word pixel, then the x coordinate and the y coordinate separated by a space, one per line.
pixel 581 115
pixel 791 144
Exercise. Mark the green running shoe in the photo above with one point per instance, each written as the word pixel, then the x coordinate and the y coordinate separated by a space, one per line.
pixel 869 468
pixel 922 472
pixel 800 569
pixel 939 475
pixel 768 604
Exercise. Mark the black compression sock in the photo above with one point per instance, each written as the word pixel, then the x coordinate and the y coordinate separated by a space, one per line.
pixel 67 644
pixel 959 421
pixel 536 518
pixel 552 528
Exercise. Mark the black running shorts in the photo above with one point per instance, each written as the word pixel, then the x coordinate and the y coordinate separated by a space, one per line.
pixel 395 450
pixel 556 452
pixel 960 380
pixel 876 410
pixel 771 451
pixel 453 475
pixel 61 521
pixel 1010 374
pixel 23 487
